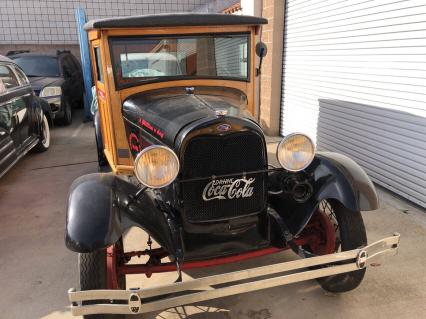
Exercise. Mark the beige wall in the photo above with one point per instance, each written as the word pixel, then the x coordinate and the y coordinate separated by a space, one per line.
pixel 53 21
pixel 271 77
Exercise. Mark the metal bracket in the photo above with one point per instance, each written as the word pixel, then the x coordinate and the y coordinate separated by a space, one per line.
pixel 134 303
pixel 142 301
pixel 361 260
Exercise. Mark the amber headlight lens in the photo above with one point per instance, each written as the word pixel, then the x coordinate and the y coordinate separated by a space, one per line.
pixel 295 152
pixel 156 166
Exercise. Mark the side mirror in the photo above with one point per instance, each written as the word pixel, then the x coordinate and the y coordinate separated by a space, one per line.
pixel 67 72
pixel 261 51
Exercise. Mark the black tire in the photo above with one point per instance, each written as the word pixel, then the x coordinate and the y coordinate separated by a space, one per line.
pixel 44 139
pixel 102 161
pixel 351 235
pixel 93 275
pixel 67 117
pixel 79 103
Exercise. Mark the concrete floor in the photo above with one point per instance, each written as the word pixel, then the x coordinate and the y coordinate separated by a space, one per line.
pixel 36 269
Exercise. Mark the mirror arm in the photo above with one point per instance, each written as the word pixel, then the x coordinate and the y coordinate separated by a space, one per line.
pixel 258 70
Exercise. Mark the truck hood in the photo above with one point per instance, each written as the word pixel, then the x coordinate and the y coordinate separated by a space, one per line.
pixel 163 113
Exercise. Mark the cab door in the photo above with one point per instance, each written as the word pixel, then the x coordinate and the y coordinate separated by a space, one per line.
pixel 10 140
pixel 21 107
pixel 8 154
pixel 104 112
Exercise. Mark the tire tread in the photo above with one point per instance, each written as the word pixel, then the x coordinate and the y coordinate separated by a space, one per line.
pixel 353 235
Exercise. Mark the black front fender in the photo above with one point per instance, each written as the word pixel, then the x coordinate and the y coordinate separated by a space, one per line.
pixel 333 176
pixel 341 178
pixel 100 210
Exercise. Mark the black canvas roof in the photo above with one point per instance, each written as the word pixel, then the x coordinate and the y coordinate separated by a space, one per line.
pixel 174 19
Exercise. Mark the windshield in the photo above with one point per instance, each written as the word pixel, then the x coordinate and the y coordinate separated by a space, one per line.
pixel 142 59
pixel 39 65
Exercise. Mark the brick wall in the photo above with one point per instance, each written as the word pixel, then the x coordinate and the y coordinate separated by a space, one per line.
pixel 270 82
pixel 53 21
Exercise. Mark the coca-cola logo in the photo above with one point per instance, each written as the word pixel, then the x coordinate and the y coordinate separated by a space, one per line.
pixel 228 188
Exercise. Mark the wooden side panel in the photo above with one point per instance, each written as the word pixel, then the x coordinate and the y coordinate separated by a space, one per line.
pixel 104 111
pixel 121 153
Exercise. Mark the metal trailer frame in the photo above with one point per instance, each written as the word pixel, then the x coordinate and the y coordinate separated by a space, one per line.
pixel 319 266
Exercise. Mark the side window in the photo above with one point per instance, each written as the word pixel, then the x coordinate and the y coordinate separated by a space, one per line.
pixel 21 76
pixel 67 67
pixel 17 105
pixel 98 65
pixel 75 63
pixel 8 78
pixel 2 87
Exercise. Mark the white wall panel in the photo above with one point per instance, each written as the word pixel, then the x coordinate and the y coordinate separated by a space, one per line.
pixel 354 78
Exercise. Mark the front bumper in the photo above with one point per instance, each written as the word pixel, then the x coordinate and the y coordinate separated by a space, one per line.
pixel 55 103
pixel 336 264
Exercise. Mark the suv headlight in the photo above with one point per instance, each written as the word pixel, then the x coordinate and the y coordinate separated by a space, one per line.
pixel 51 91
pixel 295 152
pixel 156 166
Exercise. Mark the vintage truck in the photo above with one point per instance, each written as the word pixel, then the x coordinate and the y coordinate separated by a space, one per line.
pixel 189 166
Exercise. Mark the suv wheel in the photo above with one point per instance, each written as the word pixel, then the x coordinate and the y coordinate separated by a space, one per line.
pixel 67 118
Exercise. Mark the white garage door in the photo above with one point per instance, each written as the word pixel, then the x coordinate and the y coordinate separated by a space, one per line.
pixel 354 79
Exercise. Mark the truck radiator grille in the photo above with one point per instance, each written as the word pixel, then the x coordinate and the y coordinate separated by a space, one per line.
pixel 223 197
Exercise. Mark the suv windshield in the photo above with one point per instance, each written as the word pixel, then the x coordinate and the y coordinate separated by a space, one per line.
pixel 142 59
pixel 39 65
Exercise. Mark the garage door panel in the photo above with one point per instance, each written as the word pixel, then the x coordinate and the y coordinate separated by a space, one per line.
pixel 415 107
pixel 348 32
pixel 349 29
pixel 354 78
pixel 353 10
pixel 372 23
pixel 383 155
pixel 303 99
pixel 366 51
pixel 378 142
pixel 302 5
pixel 377 173
pixel 359 17
pixel 392 135
pixel 399 75
pixel 413 59
pixel 394 119
pixel 386 126
pixel 380 84
pixel 380 40
pixel 308 9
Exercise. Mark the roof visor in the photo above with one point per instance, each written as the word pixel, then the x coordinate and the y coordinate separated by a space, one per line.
pixel 173 20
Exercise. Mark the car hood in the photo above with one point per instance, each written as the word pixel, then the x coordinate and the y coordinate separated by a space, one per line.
pixel 40 82
pixel 164 112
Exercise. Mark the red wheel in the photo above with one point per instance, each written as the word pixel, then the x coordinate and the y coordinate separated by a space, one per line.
pixel 114 257
pixel 325 227
pixel 337 228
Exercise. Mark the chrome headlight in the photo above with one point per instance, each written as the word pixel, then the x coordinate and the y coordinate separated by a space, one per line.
pixel 51 91
pixel 295 152
pixel 156 166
